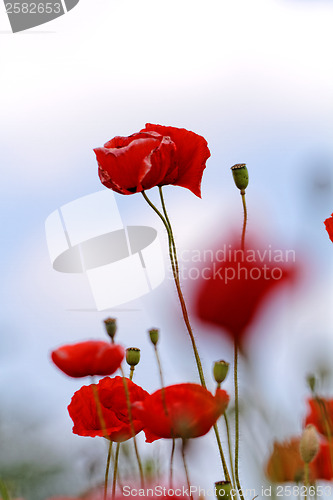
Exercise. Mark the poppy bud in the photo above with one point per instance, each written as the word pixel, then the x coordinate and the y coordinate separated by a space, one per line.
pixel 222 490
pixel 132 356
pixel 311 380
pixel 241 176
pixel 309 444
pixel 154 335
pixel 220 370
pixel 111 327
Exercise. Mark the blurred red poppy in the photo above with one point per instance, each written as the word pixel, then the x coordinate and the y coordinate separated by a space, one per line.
pixel 233 287
pixel 329 227
pixel 183 411
pixel 320 414
pixel 286 465
pixel 155 156
pixel 93 357
pixel 112 400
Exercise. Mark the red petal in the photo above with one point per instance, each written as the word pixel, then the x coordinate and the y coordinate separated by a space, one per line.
pixel 123 168
pixel 329 227
pixel 192 154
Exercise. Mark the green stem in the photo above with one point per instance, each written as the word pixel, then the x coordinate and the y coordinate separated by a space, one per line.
pixel 230 450
pixel 170 227
pixel 185 468
pixel 174 264
pixel 115 471
pixel 244 220
pixel 237 422
pixel 306 479
pixel 171 462
pixel 129 410
pixel 106 480
pixel 175 267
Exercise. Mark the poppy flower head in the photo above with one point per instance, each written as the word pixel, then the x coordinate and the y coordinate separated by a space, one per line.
pixel 320 414
pixel 93 357
pixel 155 156
pixel 182 410
pixel 329 227
pixel 235 284
pixel 112 398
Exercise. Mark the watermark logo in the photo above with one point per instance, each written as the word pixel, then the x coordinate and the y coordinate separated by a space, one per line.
pixel 24 15
pixel 121 263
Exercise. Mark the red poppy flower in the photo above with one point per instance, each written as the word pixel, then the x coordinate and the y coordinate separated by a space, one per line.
pixel 320 414
pixel 233 287
pixel 286 465
pixel 112 398
pixel 329 227
pixel 93 357
pixel 185 411
pixel 155 156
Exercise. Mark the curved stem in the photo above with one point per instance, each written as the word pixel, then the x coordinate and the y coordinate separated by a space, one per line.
pixel 170 227
pixel 106 480
pixel 174 265
pixel 115 471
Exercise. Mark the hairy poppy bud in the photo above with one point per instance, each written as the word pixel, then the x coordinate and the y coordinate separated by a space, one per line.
pixel 220 370
pixel 154 335
pixel 111 327
pixel 241 176
pixel 132 356
pixel 309 444
pixel 222 490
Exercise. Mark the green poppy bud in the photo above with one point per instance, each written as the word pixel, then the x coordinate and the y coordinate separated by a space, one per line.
pixel 132 356
pixel 309 444
pixel 223 490
pixel 241 176
pixel 311 380
pixel 220 370
pixel 111 327
pixel 154 335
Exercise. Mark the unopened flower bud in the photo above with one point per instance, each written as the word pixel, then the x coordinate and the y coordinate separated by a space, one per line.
pixel 111 327
pixel 241 176
pixel 309 444
pixel 220 370
pixel 132 356
pixel 311 380
pixel 223 490
pixel 154 335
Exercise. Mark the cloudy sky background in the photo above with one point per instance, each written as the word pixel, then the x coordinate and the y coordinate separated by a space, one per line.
pixel 255 79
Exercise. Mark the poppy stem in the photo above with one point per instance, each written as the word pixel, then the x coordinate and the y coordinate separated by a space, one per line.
pixel 244 220
pixel 185 468
pixel 230 450
pixel 306 479
pixel 175 270
pixel 129 410
pixel 237 422
pixel 115 471
pixel 99 408
pixel 327 424
pixel 171 462
pixel 106 480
